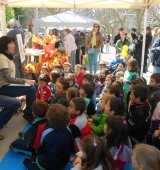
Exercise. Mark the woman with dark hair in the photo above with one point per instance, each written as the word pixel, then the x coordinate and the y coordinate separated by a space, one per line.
pixel 70 47
pixel 94 42
pixel 123 41
pixel 56 33
pixel 138 55
pixel 7 77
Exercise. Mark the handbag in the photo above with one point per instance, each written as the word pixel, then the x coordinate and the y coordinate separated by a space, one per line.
pixel 91 51
pixel 87 60
pixel 132 47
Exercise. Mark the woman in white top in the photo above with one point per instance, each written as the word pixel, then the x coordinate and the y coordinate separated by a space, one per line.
pixel 70 47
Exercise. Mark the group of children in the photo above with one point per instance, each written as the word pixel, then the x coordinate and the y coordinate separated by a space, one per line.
pixel 100 117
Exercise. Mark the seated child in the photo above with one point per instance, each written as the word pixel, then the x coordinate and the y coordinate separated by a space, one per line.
pixel 84 69
pixel 93 145
pixel 72 93
pixel 56 142
pixel 115 62
pixel 58 68
pixel 109 80
pixel 78 74
pixel 54 77
pixel 116 138
pixel 44 92
pixel 29 141
pixel 62 86
pixel 116 91
pixel 97 123
pixel 102 65
pixel 156 138
pixel 97 84
pixel 72 81
pixel 88 79
pixel 154 90
pixel 121 67
pixel 102 78
pixel 45 70
pixel 78 124
pixel 67 69
pixel 86 92
pixel 139 114
pixel 119 76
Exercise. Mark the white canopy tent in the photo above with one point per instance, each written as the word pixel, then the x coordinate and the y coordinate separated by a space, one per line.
pixel 134 4
pixel 66 19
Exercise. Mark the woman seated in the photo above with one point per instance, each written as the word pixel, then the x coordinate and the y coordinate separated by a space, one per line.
pixel 18 87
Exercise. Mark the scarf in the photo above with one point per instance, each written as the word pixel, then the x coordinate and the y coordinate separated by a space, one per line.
pixel 93 41
pixel 9 56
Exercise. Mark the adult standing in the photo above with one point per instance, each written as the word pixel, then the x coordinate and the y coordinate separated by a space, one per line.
pixel 10 106
pixel 78 41
pixel 155 49
pixel 154 38
pixel 94 41
pixel 83 44
pixel 70 47
pixel 117 37
pixel 108 39
pixel 14 30
pixel 138 56
pixel 121 42
pixel 7 77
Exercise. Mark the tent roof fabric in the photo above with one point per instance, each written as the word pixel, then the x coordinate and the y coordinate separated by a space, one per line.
pixel 134 4
pixel 66 19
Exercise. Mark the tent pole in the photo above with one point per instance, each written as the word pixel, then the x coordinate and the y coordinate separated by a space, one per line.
pixel 2 19
pixel 144 40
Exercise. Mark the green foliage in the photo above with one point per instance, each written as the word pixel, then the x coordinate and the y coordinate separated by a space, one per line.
pixel 9 14
pixel 19 11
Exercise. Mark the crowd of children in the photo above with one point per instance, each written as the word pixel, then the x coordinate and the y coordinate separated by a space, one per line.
pixel 74 110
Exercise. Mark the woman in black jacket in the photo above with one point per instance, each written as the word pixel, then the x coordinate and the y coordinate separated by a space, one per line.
pixel 138 56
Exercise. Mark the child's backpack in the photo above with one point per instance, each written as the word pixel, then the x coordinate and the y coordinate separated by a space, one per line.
pixel 123 158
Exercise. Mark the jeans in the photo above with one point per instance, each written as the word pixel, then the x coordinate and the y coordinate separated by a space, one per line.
pixel 93 61
pixel 10 106
pixel 15 91
pixel 72 59
pixel 156 69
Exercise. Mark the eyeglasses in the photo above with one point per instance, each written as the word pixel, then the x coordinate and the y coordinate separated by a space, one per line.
pixel 95 26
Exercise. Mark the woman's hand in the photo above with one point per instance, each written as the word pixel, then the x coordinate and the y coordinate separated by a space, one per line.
pixel 78 162
pixel 30 82
pixel 90 121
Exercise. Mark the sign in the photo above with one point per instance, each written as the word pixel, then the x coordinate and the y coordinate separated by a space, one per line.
pixel 21 47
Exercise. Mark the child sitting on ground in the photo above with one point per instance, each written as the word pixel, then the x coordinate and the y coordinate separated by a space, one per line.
pixel 116 138
pixel 97 123
pixel 139 114
pixel 84 70
pixel 97 84
pixel 78 124
pixel 86 92
pixel 121 67
pixel 58 68
pixel 72 93
pixel 29 141
pixel 56 142
pixel 72 81
pixel 67 69
pixel 54 77
pixel 62 86
pixel 95 155
pixel 43 92
pixel 45 70
pixel 102 65
pixel 78 74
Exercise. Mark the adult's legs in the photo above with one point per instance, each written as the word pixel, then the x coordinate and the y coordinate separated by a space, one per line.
pixel 15 91
pixel 95 60
pixel 72 59
pixel 107 47
pixel 10 106
pixel 90 57
pixel 77 56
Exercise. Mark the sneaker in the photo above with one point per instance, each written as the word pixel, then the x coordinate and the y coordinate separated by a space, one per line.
pixel 21 135
pixel 11 149
pixel 28 117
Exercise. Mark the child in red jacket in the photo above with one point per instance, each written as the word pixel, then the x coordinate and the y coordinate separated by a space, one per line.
pixel 78 74
pixel 43 92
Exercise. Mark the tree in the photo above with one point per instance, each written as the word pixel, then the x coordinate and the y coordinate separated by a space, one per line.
pixel 9 14
pixel 19 11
